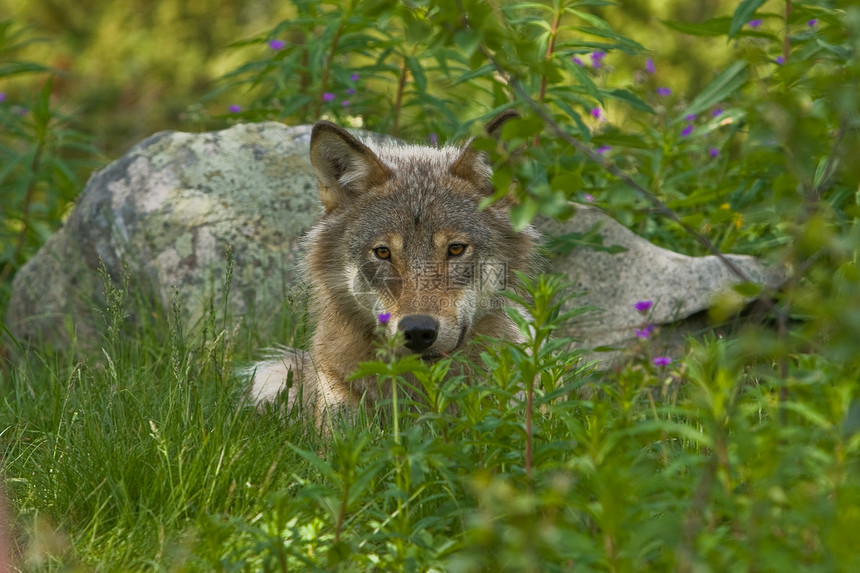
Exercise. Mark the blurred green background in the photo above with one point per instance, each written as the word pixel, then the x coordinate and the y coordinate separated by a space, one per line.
pixel 131 68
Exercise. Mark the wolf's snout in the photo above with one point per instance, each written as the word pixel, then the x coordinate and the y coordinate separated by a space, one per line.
pixel 420 331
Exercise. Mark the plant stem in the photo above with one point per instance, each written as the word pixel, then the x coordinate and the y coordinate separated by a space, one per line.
pixel 693 519
pixel 550 46
pixel 25 216
pixel 786 46
pixel 529 404
pixel 549 51
pixel 398 98
pixel 327 66
pixel 341 512
pixel 396 410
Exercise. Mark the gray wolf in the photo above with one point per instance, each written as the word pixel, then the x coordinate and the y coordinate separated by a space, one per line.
pixel 403 234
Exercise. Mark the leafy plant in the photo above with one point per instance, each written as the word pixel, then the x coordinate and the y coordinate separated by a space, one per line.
pixel 41 160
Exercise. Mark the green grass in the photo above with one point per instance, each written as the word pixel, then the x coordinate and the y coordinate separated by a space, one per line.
pixel 144 456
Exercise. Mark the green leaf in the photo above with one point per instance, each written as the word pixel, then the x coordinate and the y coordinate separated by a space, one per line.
pixel 468 41
pixel 409 363
pixel 17 68
pixel 618 139
pixel 807 412
pixel 518 318
pixel 743 14
pixel 320 464
pixel 590 239
pixel 583 79
pixel 372 368
pixel 571 114
pixel 417 73
pixel 747 289
pixel 719 89
pixel 523 127
pixel 522 214
pixel 595 21
pixel 471 74
pixel 363 482
pixel 631 99
pixel 694 220
pixel 821 171
pixel 568 182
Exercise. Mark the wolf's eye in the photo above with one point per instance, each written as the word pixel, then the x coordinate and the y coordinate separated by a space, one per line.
pixel 383 253
pixel 456 249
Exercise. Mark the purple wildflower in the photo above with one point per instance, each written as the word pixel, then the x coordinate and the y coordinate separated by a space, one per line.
pixel 644 333
pixel 713 152
pixel 589 197
pixel 690 117
pixel 327 96
pixel 277 44
pixel 596 113
pixel 350 91
pixel 687 130
pixel 597 59
pixel 717 111
pixel 603 149
pixel 434 140
pixel 754 23
pixel 664 91
pixel 2 97
pixel 354 77
pixel 780 60
pixel 662 361
pixel 384 317
pixel 813 23
pixel 345 103
pixel 577 61
pixel 235 108
pixel 643 306
pixel 649 66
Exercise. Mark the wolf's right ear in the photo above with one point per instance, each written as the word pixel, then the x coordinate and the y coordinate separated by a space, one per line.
pixel 473 165
pixel 344 166
pixel 494 128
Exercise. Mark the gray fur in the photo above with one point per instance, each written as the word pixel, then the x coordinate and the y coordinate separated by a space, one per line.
pixel 442 257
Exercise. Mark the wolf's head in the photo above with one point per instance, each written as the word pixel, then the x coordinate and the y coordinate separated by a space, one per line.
pixel 403 234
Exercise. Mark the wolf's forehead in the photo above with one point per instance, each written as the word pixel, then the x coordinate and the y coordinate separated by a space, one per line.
pixel 417 215
pixel 415 169
pixel 424 199
pixel 408 157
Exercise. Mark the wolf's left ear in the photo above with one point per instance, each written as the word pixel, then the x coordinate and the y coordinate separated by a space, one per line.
pixel 473 165
pixel 345 167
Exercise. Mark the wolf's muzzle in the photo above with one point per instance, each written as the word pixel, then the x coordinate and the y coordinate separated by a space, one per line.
pixel 419 330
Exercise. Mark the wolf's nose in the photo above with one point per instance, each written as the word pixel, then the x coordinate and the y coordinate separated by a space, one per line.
pixel 419 330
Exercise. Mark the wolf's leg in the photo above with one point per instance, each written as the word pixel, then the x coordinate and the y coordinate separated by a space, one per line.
pixel 335 402
pixel 271 377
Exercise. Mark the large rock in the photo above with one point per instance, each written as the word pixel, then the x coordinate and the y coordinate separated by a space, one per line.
pixel 168 210
pixel 625 269
pixel 172 206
